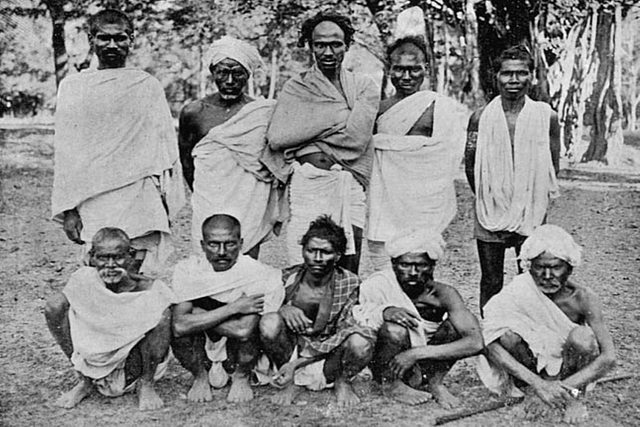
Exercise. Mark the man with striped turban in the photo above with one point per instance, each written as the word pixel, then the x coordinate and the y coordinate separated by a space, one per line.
pixel 423 325
pixel 221 139
pixel 546 331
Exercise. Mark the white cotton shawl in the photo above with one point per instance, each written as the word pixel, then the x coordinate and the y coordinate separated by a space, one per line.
pixel 513 186
pixel 105 326
pixel 412 183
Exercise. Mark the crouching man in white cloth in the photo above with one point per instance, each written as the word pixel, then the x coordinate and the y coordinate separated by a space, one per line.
pixel 114 325
pixel 546 331
pixel 221 138
pixel 221 296
pixel 116 152
pixel 423 325
pixel 418 143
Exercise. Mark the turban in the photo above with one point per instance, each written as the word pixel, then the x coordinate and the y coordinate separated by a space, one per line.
pixel 554 240
pixel 417 241
pixel 238 50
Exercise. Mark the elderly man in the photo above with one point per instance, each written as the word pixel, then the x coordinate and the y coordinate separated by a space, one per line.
pixel 423 325
pixel 546 331
pixel 418 149
pixel 221 295
pixel 313 338
pixel 511 161
pixel 116 157
pixel 222 137
pixel 114 325
pixel 322 126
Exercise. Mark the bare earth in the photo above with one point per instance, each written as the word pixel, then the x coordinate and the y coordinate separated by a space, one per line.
pixel 36 259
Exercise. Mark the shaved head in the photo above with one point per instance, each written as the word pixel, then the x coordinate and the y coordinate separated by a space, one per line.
pixel 109 16
pixel 110 234
pixel 413 46
pixel 223 221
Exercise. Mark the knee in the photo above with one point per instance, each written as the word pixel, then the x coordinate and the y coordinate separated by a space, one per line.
pixel 511 341
pixel 359 346
pixel 271 325
pixel 582 340
pixel 56 306
pixel 393 333
pixel 246 327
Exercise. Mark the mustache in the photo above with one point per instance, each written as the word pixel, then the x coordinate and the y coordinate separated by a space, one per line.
pixel 106 270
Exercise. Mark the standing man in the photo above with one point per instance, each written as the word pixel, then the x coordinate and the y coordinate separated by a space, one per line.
pixel 418 149
pixel 116 157
pixel 114 325
pixel 511 162
pixel 423 325
pixel 322 125
pixel 546 331
pixel 221 295
pixel 313 338
pixel 221 139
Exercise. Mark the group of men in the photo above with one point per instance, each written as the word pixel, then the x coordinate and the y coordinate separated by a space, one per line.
pixel 335 164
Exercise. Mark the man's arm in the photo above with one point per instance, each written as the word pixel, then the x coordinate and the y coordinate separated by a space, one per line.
pixel 554 141
pixel 606 360
pixel 470 149
pixel 186 320
pixel 187 139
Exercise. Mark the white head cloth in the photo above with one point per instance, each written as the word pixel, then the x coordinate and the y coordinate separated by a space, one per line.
pixel 238 50
pixel 410 23
pixel 417 241
pixel 554 240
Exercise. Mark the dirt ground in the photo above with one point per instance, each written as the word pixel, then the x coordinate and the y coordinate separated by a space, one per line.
pixel 36 259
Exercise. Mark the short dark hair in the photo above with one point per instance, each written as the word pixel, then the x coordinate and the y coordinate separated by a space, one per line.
pixel 109 233
pixel 414 40
pixel 223 220
pixel 306 30
pixel 326 229
pixel 517 53
pixel 109 16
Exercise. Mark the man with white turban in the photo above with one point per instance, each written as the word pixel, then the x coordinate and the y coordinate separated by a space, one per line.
pixel 221 139
pixel 546 331
pixel 423 325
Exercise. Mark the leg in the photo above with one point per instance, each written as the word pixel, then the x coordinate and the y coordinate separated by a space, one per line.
pixel 436 370
pixel 244 342
pixel 143 362
pixel 353 355
pixel 138 259
pixel 189 350
pixel 392 340
pixel 491 256
pixel 517 245
pixel 278 344
pixel 580 349
pixel 352 262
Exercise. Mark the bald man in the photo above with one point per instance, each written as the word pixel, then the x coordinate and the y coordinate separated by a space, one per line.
pixel 114 325
pixel 546 330
pixel 221 296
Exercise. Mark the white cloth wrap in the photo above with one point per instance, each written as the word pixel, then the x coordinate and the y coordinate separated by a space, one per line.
pixel 105 326
pixel 314 192
pixel 381 291
pixel 417 241
pixel 513 185
pixel 412 183
pixel 554 240
pixel 522 308
pixel 238 50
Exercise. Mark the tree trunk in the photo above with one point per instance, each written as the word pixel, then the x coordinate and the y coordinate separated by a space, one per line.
pixel 634 96
pixel 606 111
pixel 471 53
pixel 58 18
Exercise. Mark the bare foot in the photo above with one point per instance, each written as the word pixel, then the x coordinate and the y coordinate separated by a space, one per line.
pixel 443 396
pixel 575 413
pixel 240 390
pixel 148 398
pixel 405 394
pixel 200 390
pixel 74 396
pixel 286 395
pixel 532 408
pixel 345 394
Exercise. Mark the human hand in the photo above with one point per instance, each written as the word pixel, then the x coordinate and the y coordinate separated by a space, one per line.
pixel 401 316
pixel 284 376
pixel 249 304
pixel 295 319
pixel 402 362
pixel 553 393
pixel 72 226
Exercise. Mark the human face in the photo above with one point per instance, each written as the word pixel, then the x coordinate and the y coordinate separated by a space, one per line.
pixel 112 258
pixel 111 43
pixel 328 47
pixel 413 272
pixel 320 257
pixel 407 72
pixel 230 78
pixel 514 79
pixel 221 246
pixel 550 273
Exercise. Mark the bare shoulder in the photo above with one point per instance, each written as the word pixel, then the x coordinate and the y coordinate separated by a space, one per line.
pixel 447 294
pixel 387 103
pixel 143 283
pixel 192 108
